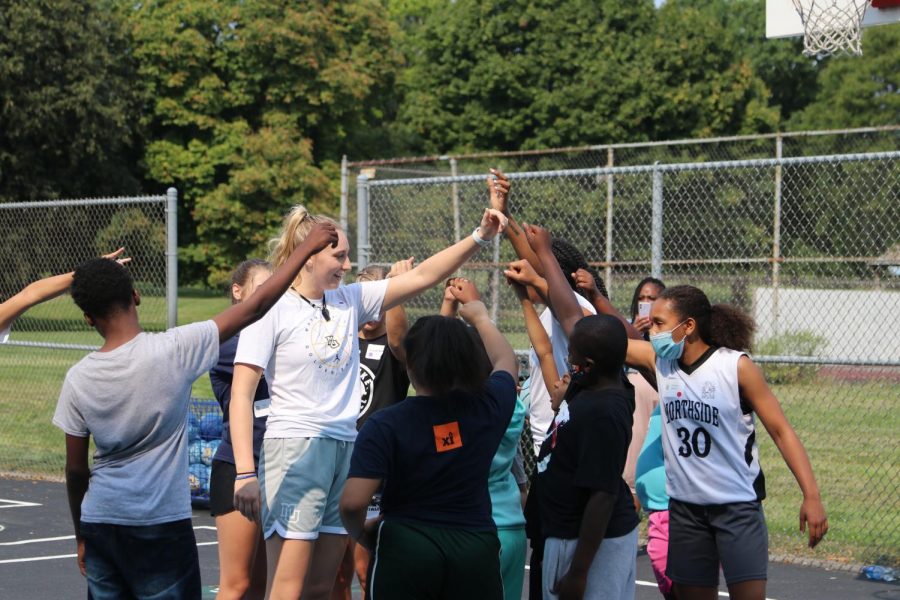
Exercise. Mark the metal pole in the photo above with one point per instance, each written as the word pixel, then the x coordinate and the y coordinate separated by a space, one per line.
pixel 656 221
pixel 454 194
pixel 345 190
pixel 362 222
pixel 610 192
pixel 776 239
pixel 171 258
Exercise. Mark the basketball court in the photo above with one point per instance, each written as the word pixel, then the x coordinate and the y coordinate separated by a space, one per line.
pixel 37 556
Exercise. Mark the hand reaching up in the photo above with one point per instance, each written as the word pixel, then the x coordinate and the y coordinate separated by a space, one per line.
pixel 585 282
pixel 115 256
pixel 320 237
pixel 493 223
pixel 498 186
pixel 521 271
pixel 401 266
pixel 463 290
pixel 538 238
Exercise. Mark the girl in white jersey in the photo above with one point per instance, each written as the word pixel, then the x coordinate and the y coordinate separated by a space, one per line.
pixel 709 391
pixel 307 346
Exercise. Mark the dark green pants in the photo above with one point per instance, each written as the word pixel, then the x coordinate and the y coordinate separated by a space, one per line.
pixel 420 562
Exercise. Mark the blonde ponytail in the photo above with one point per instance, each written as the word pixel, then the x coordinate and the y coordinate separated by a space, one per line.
pixel 297 225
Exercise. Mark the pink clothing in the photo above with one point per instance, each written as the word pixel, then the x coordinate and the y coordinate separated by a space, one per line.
pixel 645 400
pixel 658 548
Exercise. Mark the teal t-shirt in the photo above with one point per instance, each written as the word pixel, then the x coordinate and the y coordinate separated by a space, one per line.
pixel 506 503
pixel 650 471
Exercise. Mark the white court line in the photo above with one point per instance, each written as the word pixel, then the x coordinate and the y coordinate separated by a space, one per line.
pixel 16 503
pixel 71 537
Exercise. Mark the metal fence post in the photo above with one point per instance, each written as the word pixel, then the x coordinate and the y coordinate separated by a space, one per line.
pixel 362 222
pixel 656 224
pixel 171 257
pixel 610 192
pixel 776 238
pixel 454 194
pixel 345 187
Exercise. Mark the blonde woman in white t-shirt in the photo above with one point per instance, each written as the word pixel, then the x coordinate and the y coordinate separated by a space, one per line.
pixel 307 346
pixel 39 291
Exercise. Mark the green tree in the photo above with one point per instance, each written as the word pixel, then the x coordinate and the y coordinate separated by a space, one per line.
pixel 237 86
pixel 858 91
pixel 67 100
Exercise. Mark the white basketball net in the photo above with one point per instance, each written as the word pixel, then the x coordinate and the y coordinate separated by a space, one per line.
pixel 831 26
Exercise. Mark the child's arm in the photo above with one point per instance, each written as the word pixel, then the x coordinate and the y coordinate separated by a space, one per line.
pixel 354 504
pixel 594 521
pixel 238 316
pixel 540 341
pixel 395 321
pixel 474 312
pixel 754 388
pixel 41 291
pixel 449 304
pixel 78 475
pixel 562 298
pixel 499 186
pixel 585 282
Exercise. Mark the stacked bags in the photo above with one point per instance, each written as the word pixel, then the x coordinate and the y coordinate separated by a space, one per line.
pixel 204 437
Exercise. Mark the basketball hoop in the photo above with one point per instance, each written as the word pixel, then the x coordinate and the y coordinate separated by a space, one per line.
pixel 831 26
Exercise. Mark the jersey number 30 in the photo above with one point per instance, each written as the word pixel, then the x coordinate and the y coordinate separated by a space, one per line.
pixel 698 444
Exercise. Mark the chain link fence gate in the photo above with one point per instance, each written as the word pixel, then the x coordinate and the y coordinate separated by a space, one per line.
pixel 39 239
pixel 809 246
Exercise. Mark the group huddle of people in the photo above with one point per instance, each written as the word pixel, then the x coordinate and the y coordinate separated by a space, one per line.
pixel 331 467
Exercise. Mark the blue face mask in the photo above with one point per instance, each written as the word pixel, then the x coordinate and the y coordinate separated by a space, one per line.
pixel 665 347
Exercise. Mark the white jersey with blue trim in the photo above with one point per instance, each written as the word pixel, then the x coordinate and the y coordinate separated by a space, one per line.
pixel 709 436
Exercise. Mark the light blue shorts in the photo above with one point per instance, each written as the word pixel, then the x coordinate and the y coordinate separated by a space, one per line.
pixel 301 481
pixel 612 572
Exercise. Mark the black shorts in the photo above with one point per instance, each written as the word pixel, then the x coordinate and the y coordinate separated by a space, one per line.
pixel 221 488
pixel 703 537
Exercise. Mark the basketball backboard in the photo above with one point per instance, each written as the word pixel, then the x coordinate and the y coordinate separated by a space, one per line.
pixel 783 20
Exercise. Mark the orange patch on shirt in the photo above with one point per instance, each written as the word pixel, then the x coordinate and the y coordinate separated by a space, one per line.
pixel 446 437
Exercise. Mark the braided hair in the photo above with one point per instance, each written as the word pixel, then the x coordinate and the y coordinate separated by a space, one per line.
pixel 571 259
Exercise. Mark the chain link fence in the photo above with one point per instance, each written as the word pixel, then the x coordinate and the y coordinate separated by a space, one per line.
pixel 39 239
pixel 810 246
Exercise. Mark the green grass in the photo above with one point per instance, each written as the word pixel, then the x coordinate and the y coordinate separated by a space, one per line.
pixel 849 430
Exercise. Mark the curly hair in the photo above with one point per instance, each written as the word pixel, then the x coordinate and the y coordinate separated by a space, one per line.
pixel 721 325
pixel 101 287
pixel 571 259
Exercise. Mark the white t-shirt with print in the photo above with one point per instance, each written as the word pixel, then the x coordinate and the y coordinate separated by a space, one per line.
pixel 312 365
pixel 540 412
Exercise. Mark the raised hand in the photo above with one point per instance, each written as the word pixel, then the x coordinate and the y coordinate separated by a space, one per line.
pixel 115 256
pixel 463 290
pixel 321 236
pixel 538 238
pixel 493 222
pixel 449 304
pixel 498 186
pixel 401 266
pixel 521 271
pixel 520 290
pixel 473 311
pixel 585 282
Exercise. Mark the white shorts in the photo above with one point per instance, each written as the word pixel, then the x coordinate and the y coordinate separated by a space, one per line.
pixel 301 481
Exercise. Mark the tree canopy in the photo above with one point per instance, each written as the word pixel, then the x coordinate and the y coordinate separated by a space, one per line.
pixel 246 107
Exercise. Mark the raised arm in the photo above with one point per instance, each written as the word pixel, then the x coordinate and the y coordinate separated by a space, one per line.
pixel 522 272
pixel 474 312
pixel 395 321
pixel 440 266
pixel 41 291
pixel 562 298
pixel 499 187
pixel 755 390
pixel 238 316
pixel 585 282
pixel 540 341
